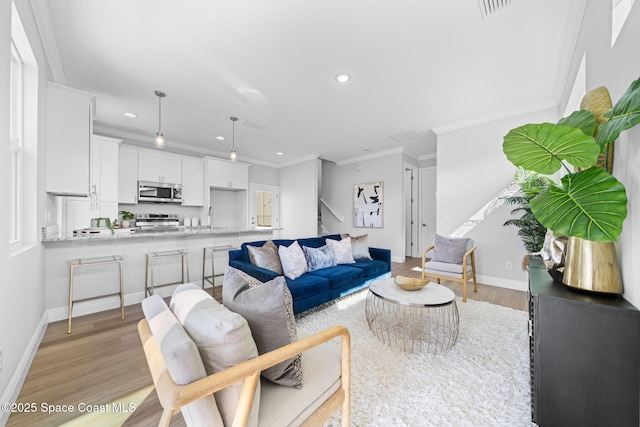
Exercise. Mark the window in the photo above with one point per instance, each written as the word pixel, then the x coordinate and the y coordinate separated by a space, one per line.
pixel 23 139
pixel 15 143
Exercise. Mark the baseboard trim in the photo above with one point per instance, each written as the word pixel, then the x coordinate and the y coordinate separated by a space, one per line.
pixel 503 283
pixel 12 391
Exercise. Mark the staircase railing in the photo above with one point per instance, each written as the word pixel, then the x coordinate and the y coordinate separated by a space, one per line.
pixel 486 210
pixel 339 217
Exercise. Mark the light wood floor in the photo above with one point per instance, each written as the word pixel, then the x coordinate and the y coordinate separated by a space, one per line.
pixel 102 363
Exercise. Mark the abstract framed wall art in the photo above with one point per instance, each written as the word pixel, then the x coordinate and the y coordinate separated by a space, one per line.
pixel 368 206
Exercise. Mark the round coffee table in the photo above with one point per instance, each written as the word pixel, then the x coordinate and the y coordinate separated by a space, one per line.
pixel 413 321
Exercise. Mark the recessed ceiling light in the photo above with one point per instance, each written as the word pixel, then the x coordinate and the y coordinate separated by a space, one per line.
pixel 343 77
pixel 132 115
pixel 280 153
pixel 220 138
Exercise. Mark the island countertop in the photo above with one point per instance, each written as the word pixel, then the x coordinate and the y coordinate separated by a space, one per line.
pixel 179 232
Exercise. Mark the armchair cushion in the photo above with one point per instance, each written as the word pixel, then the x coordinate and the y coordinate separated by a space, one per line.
pixel 182 358
pixel 265 256
pixel 449 250
pixel 223 338
pixel 442 267
pixel 268 308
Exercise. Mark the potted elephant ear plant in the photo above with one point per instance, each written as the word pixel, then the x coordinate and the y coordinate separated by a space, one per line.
pixel 589 205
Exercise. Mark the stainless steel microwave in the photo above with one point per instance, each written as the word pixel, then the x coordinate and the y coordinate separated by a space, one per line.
pixel 159 192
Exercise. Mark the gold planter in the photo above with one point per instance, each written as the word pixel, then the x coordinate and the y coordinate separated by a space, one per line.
pixel 592 266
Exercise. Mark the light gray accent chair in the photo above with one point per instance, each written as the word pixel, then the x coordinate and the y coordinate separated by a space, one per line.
pixel 449 266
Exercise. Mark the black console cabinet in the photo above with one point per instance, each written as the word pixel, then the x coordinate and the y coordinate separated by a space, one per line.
pixel 585 355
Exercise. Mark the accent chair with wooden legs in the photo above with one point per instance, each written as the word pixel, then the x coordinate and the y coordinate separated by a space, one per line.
pixel 451 259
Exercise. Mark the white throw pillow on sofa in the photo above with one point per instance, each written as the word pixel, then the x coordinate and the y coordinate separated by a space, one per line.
pixel 342 251
pixel 294 263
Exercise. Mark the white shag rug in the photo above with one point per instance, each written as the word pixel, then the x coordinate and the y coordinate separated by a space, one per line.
pixel 482 381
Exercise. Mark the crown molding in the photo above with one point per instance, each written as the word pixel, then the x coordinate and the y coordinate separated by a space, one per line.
pixel 42 15
pixel 148 141
pixel 376 155
pixel 536 106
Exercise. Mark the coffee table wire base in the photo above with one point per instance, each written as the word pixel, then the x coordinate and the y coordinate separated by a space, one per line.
pixel 413 329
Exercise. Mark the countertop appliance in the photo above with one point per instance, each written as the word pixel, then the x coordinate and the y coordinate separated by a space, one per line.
pixel 159 192
pixel 157 222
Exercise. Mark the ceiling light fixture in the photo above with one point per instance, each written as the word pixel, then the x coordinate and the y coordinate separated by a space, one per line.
pixel 343 77
pixel 131 115
pixel 234 154
pixel 159 134
pixel 220 138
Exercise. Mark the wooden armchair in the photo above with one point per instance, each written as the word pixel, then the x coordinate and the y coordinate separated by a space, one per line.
pixel 173 396
pixel 462 272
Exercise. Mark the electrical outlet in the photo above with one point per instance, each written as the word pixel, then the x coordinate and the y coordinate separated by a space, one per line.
pixel 508 265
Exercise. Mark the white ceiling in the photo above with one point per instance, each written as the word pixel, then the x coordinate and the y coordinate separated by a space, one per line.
pixel 415 65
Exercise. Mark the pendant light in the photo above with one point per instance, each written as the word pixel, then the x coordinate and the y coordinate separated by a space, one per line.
pixel 234 154
pixel 159 134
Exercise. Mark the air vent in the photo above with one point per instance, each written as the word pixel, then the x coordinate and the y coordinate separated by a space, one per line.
pixel 489 7
pixel 252 125
pixel 405 136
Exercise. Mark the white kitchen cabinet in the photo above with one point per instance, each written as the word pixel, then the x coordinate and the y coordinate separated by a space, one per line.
pixel 228 174
pixel 103 197
pixel 159 167
pixel 192 181
pixel 128 175
pixel 69 119
pixel 104 168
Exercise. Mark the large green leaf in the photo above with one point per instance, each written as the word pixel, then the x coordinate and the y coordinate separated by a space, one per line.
pixel 542 147
pixel 624 115
pixel 582 119
pixel 592 205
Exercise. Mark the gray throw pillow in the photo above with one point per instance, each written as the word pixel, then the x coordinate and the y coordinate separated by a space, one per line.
pixel 268 308
pixel 318 258
pixel 360 247
pixel 265 256
pixel 449 250
pixel 294 264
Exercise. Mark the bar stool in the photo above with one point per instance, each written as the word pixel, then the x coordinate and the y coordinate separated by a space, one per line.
pixel 151 257
pixel 212 250
pixel 92 262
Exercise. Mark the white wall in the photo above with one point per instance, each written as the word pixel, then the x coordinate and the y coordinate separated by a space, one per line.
pixel 265 175
pixel 299 199
pixel 337 191
pixel 615 68
pixel 22 304
pixel 472 170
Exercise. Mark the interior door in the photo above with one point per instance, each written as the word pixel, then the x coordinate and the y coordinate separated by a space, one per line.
pixel 427 207
pixel 264 207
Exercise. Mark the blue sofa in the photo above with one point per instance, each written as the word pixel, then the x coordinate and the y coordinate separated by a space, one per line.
pixel 320 286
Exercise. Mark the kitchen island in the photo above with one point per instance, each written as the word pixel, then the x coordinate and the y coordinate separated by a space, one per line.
pixel 132 246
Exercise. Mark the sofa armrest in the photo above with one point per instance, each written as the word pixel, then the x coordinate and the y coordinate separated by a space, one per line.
pixel 236 255
pixel 381 254
pixel 260 273
pixel 173 396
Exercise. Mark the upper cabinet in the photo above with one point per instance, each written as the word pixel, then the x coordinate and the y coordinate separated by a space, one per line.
pixel 192 181
pixel 128 175
pixel 104 168
pixel 228 174
pixel 159 167
pixel 69 130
